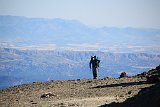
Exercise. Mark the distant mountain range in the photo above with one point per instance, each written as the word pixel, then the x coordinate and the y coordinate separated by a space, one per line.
pixel 23 32
pixel 38 49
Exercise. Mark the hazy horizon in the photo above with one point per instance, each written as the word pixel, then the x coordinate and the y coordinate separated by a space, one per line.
pixel 114 13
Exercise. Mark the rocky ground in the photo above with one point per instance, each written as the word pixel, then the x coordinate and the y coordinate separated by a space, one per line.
pixel 121 92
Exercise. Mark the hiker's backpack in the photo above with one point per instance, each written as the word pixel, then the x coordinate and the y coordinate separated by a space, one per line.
pixel 98 61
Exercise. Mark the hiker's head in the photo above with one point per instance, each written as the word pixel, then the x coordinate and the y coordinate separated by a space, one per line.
pixel 94 57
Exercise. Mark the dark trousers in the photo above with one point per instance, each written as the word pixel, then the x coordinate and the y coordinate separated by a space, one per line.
pixel 94 70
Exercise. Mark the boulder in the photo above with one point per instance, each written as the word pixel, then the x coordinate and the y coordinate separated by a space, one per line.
pixel 123 74
pixel 47 95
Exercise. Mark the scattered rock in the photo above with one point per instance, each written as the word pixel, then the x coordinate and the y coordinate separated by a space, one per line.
pixel 108 77
pixel 73 105
pixel 89 81
pixel 37 82
pixel 121 96
pixel 129 92
pixel 123 74
pixel 34 103
pixel 62 105
pixel 47 95
pixel 142 74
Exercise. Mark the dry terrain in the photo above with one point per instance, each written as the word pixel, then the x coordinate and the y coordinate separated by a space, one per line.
pixel 73 93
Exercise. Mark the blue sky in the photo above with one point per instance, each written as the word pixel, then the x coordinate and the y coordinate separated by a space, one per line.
pixel 120 13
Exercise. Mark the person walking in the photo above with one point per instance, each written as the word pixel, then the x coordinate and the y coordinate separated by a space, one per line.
pixel 94 64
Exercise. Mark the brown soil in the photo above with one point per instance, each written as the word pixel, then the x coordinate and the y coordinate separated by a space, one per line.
pixel 72 93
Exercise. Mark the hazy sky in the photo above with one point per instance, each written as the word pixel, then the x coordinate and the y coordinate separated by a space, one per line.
pixel 121 13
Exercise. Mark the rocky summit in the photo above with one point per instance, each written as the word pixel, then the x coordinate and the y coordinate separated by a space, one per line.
pixel 135 91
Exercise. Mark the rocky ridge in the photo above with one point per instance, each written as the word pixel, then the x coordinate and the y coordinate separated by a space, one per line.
pixel 134 91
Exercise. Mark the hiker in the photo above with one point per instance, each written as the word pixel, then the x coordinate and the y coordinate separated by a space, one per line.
pixel 94 64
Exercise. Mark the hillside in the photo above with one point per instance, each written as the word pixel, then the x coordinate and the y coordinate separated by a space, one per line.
pixel 86 93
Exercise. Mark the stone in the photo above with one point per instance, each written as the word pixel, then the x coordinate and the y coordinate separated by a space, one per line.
pixel 47 95
pixel 123 74
pixel 129 92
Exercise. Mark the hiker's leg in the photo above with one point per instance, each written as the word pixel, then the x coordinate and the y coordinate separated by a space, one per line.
pixel 94 72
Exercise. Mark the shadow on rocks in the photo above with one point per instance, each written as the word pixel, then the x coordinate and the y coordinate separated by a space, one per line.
pixel 122 84
pixel 147 97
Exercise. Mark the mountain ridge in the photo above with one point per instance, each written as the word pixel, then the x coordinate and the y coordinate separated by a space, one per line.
pixel 127 91
pixel 22 31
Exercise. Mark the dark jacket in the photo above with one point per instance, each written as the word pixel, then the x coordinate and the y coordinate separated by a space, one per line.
pixel 94 63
